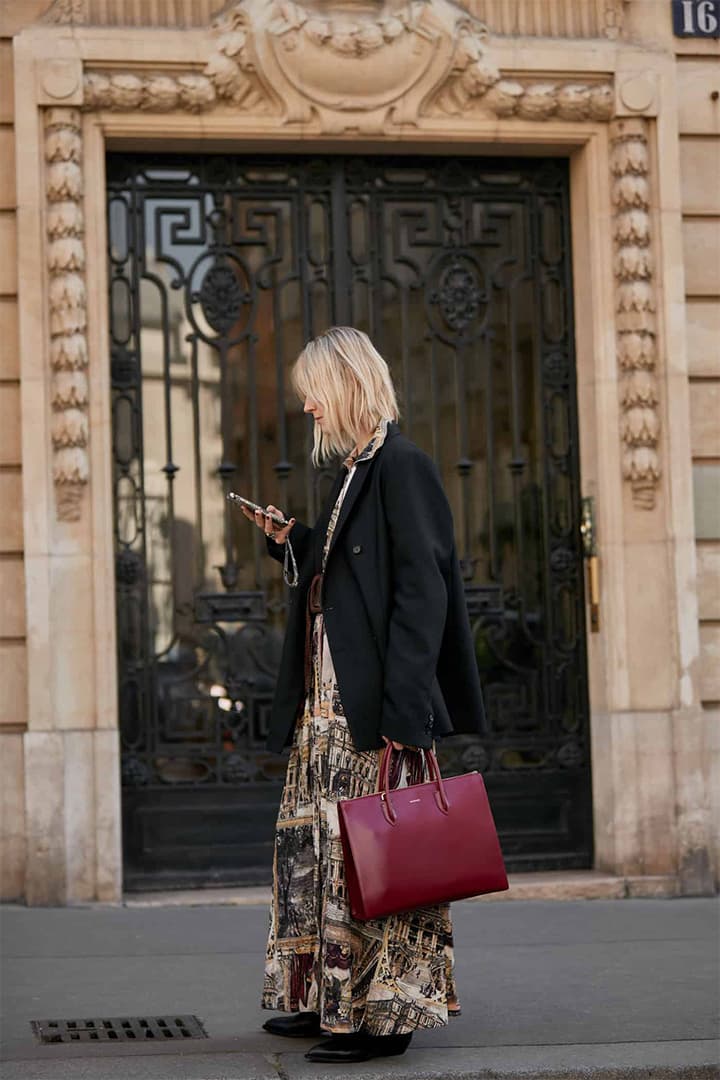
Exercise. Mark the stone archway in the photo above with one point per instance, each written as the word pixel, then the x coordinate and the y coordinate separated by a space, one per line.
pixel 243 80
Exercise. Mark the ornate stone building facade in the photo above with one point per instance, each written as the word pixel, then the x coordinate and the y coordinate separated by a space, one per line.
pixel 603 85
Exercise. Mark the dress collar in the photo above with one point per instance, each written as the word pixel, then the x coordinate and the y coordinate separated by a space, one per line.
pixel 376 440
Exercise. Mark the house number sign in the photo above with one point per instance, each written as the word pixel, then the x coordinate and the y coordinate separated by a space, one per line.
pixel 696 18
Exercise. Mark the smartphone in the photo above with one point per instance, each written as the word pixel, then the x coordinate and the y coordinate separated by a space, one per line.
pixel 281 522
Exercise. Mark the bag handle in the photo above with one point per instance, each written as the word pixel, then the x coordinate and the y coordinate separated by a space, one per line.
pixel 384 782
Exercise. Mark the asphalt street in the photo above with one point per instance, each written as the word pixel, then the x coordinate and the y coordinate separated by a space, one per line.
pixel 606 989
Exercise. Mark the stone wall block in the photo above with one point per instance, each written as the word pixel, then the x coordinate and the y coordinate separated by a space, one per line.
pixel 7 86
pixel 80 815
pixel 698 110
pixel 11 516
pixel 703 336
pixel 709 662
pixel 10 453
pixel 13 683
pixel 108 841
pixel 708 561
pixel 603 781
pixel 655 784
pixel 10 352
pixel 15 14
pixel 12 817
pixel 8 246
pixel 711 718
pixel 701 256
pixel 700 160
pixel 45 810
pixel 8 197
pixel 705 419
pixel 652 664
pixel 624 766
pixel 706 499
pixel 12 591
pixel 72 678
pixel 692 802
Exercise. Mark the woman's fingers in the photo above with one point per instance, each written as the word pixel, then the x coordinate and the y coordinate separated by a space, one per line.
pixel 264 521
pixel 281 535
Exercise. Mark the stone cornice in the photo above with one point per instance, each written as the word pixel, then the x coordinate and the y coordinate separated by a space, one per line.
pixel 591 19
pixel 361 68
pixel 357 69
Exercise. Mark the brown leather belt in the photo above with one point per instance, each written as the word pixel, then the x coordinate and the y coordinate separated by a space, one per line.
pixel 314 606
pixel 315 594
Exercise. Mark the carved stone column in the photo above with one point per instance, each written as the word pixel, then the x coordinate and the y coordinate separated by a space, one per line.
pixel 635 309
pixel 67 315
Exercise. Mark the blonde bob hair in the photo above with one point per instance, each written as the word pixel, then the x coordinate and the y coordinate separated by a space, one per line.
pixel 344 373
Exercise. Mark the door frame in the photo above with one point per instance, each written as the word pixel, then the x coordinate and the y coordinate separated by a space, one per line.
pixel 642 662
pixel 153 809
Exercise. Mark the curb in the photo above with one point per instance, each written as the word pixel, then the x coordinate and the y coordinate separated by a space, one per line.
pixel 551 885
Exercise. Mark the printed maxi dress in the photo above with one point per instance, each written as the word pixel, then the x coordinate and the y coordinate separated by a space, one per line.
pixel 391 975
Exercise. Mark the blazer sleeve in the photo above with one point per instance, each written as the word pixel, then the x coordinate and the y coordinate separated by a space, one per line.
pixel 300 536
pixel 421 537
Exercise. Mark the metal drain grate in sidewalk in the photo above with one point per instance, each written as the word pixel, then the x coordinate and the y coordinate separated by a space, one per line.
pixel 116 1028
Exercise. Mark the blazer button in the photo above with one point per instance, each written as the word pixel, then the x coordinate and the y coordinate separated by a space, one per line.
pixel 357 549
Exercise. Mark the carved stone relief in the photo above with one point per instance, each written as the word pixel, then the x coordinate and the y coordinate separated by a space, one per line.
pixel 402 60
pixel 366 66
pixel 72 12
pixel 67 315
pixel 546 18
pixel 635 309
pixel 177 14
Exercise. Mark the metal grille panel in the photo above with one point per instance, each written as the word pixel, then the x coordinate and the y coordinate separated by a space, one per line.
pixel 220 269
pixel 119 1029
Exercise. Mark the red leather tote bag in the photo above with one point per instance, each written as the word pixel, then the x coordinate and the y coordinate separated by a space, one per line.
pixel 420 845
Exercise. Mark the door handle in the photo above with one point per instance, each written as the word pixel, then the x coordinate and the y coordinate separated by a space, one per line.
pixel 588 532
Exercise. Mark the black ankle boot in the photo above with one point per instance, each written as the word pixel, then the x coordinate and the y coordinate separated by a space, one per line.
pixel 301 1025
pixel 358 1047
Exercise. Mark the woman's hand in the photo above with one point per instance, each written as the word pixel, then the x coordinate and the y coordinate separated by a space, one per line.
pixel 398 745
pixel 266 523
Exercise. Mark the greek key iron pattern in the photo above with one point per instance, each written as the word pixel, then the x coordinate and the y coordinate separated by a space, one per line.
pixel 220 269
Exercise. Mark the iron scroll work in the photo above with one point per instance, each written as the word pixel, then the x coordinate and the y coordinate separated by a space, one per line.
pixel 220 269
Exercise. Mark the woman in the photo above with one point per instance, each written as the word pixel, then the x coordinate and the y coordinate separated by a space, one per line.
pixel 378 649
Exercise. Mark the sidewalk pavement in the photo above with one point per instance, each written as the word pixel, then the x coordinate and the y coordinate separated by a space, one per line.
pixel 563 989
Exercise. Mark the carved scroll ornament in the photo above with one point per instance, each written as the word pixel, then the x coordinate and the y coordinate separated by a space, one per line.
pixel 365 66
pixel 361 66
pixel 67 315
pixel 635 309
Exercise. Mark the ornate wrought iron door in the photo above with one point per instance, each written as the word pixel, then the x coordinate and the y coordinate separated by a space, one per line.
pixel 220 268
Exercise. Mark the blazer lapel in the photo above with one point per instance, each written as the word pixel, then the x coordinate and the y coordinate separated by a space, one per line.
pixel 362 471
pixel 324 517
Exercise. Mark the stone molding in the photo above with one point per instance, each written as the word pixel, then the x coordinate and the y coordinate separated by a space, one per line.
pixel 67 307
pixel 283 59
pixel 550 18
pixel 409 63
pixel 67 12
pixel 635 308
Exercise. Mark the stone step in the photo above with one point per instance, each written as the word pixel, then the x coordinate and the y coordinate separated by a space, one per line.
pixel 545 885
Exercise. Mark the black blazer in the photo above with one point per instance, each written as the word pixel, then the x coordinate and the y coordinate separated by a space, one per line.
pixel 393 603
